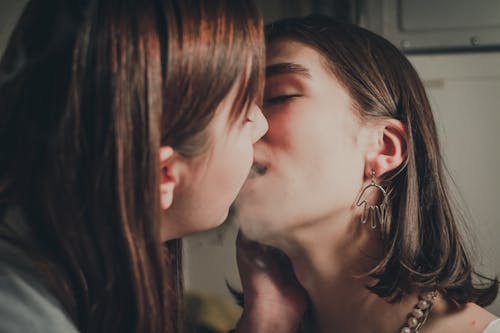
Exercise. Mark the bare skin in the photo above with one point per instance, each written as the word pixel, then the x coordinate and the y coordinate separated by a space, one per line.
pixel 274 302
pixel 318 225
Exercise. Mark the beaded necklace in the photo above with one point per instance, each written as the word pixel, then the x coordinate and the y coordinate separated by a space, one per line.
pixel 418 316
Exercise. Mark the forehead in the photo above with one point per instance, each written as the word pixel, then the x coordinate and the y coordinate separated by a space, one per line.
pixel 301 56
pixel 290 61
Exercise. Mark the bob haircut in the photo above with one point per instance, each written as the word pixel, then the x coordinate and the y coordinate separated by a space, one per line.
pixel 423 250
pixel 89 91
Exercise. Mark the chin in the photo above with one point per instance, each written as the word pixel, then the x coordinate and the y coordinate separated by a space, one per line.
pixel 213 223
pixel 196 225
pixel 255 234
pixel 252 226
pixel 262 234
pixel 222 219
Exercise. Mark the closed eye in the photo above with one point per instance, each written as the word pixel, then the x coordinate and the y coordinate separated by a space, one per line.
pixel 279 99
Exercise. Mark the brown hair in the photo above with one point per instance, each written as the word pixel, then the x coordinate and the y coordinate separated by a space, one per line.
pixel 423 248
pixel 89 91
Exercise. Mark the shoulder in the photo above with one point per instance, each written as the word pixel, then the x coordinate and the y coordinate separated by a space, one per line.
pixel 25 304
pixel 481 318
pixel 467 318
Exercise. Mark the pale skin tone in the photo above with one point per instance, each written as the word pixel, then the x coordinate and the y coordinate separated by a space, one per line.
pixel 196 194
pixel 273 302
pixel 317 157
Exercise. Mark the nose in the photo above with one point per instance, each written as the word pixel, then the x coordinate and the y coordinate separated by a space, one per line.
pixel 261 125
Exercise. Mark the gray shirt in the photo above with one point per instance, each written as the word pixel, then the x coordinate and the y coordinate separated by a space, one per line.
pixel 493 327
pixel 25 304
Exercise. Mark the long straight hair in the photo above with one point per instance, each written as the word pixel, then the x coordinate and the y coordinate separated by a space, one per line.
pixel 89 91
pixel 423 249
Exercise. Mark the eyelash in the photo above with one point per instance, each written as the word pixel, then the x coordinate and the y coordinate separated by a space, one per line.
pixel 279 99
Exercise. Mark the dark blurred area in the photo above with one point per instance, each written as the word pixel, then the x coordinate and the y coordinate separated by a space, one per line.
pixel 416 26
pixel 342 10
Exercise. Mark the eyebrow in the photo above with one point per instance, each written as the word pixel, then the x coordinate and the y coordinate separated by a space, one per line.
pixel 287 68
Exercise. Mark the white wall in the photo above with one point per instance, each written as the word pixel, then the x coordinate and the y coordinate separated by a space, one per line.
pixel 465 93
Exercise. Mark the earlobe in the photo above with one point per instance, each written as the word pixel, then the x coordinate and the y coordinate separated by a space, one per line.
pixel 168 177
pixel 390 150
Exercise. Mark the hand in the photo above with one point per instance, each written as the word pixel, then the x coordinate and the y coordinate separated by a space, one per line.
pixel 274 301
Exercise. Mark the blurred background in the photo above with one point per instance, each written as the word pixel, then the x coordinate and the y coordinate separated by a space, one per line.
pixel 455 47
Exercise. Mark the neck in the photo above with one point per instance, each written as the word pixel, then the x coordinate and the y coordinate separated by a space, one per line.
pixel 330 259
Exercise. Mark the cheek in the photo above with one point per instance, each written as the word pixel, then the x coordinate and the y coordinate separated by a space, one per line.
pixel 320 155
pixel 289 134
pixel 298 137
pixel 232 168
pixel 342 172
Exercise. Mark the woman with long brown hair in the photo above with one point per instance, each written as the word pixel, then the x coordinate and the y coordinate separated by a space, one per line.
pixel 124 125
pixel 349 183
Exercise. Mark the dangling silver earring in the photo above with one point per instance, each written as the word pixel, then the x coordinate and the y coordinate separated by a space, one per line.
pixel 377 212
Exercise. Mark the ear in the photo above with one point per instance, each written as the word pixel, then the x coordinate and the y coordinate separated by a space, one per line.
pixel 168 176
pixel 389 150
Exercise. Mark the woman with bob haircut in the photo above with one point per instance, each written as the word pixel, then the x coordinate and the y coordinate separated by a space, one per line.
pixel 349 183
pixel 124 125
